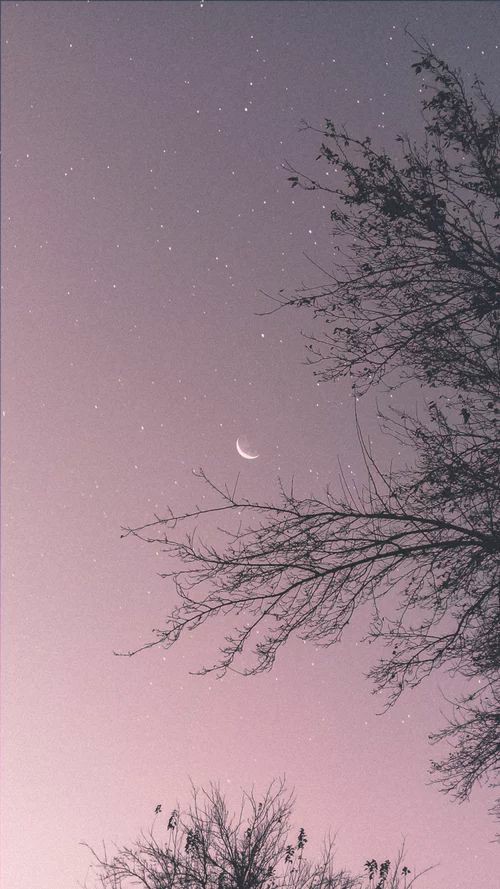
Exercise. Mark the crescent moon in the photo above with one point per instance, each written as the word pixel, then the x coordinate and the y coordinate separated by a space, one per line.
pixel 243 453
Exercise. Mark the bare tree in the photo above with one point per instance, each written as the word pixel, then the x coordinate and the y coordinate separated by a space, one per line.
pixel 417 549
pixel 414 292
pixel 211 848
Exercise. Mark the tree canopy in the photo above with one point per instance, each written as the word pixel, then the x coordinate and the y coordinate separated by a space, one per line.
pixel 415 295
pixel 209 847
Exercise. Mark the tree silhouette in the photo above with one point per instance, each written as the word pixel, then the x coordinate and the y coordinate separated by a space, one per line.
pixel 209 847
pixel 416 296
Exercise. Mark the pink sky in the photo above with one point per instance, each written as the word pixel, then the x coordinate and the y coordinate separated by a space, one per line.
pixel 144 207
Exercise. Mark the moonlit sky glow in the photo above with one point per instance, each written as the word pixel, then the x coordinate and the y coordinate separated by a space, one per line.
pixel 144 211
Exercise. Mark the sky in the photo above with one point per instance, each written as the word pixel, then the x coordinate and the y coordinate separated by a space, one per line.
pixel 145 212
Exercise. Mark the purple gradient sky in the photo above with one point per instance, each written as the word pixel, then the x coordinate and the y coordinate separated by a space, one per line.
pixel 144 206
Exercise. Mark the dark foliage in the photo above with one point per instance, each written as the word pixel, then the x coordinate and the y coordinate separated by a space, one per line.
pixel 210 848
pixel 418 293
pixel 415 297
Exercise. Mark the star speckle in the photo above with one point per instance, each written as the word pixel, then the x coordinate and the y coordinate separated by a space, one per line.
pixel 147 214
